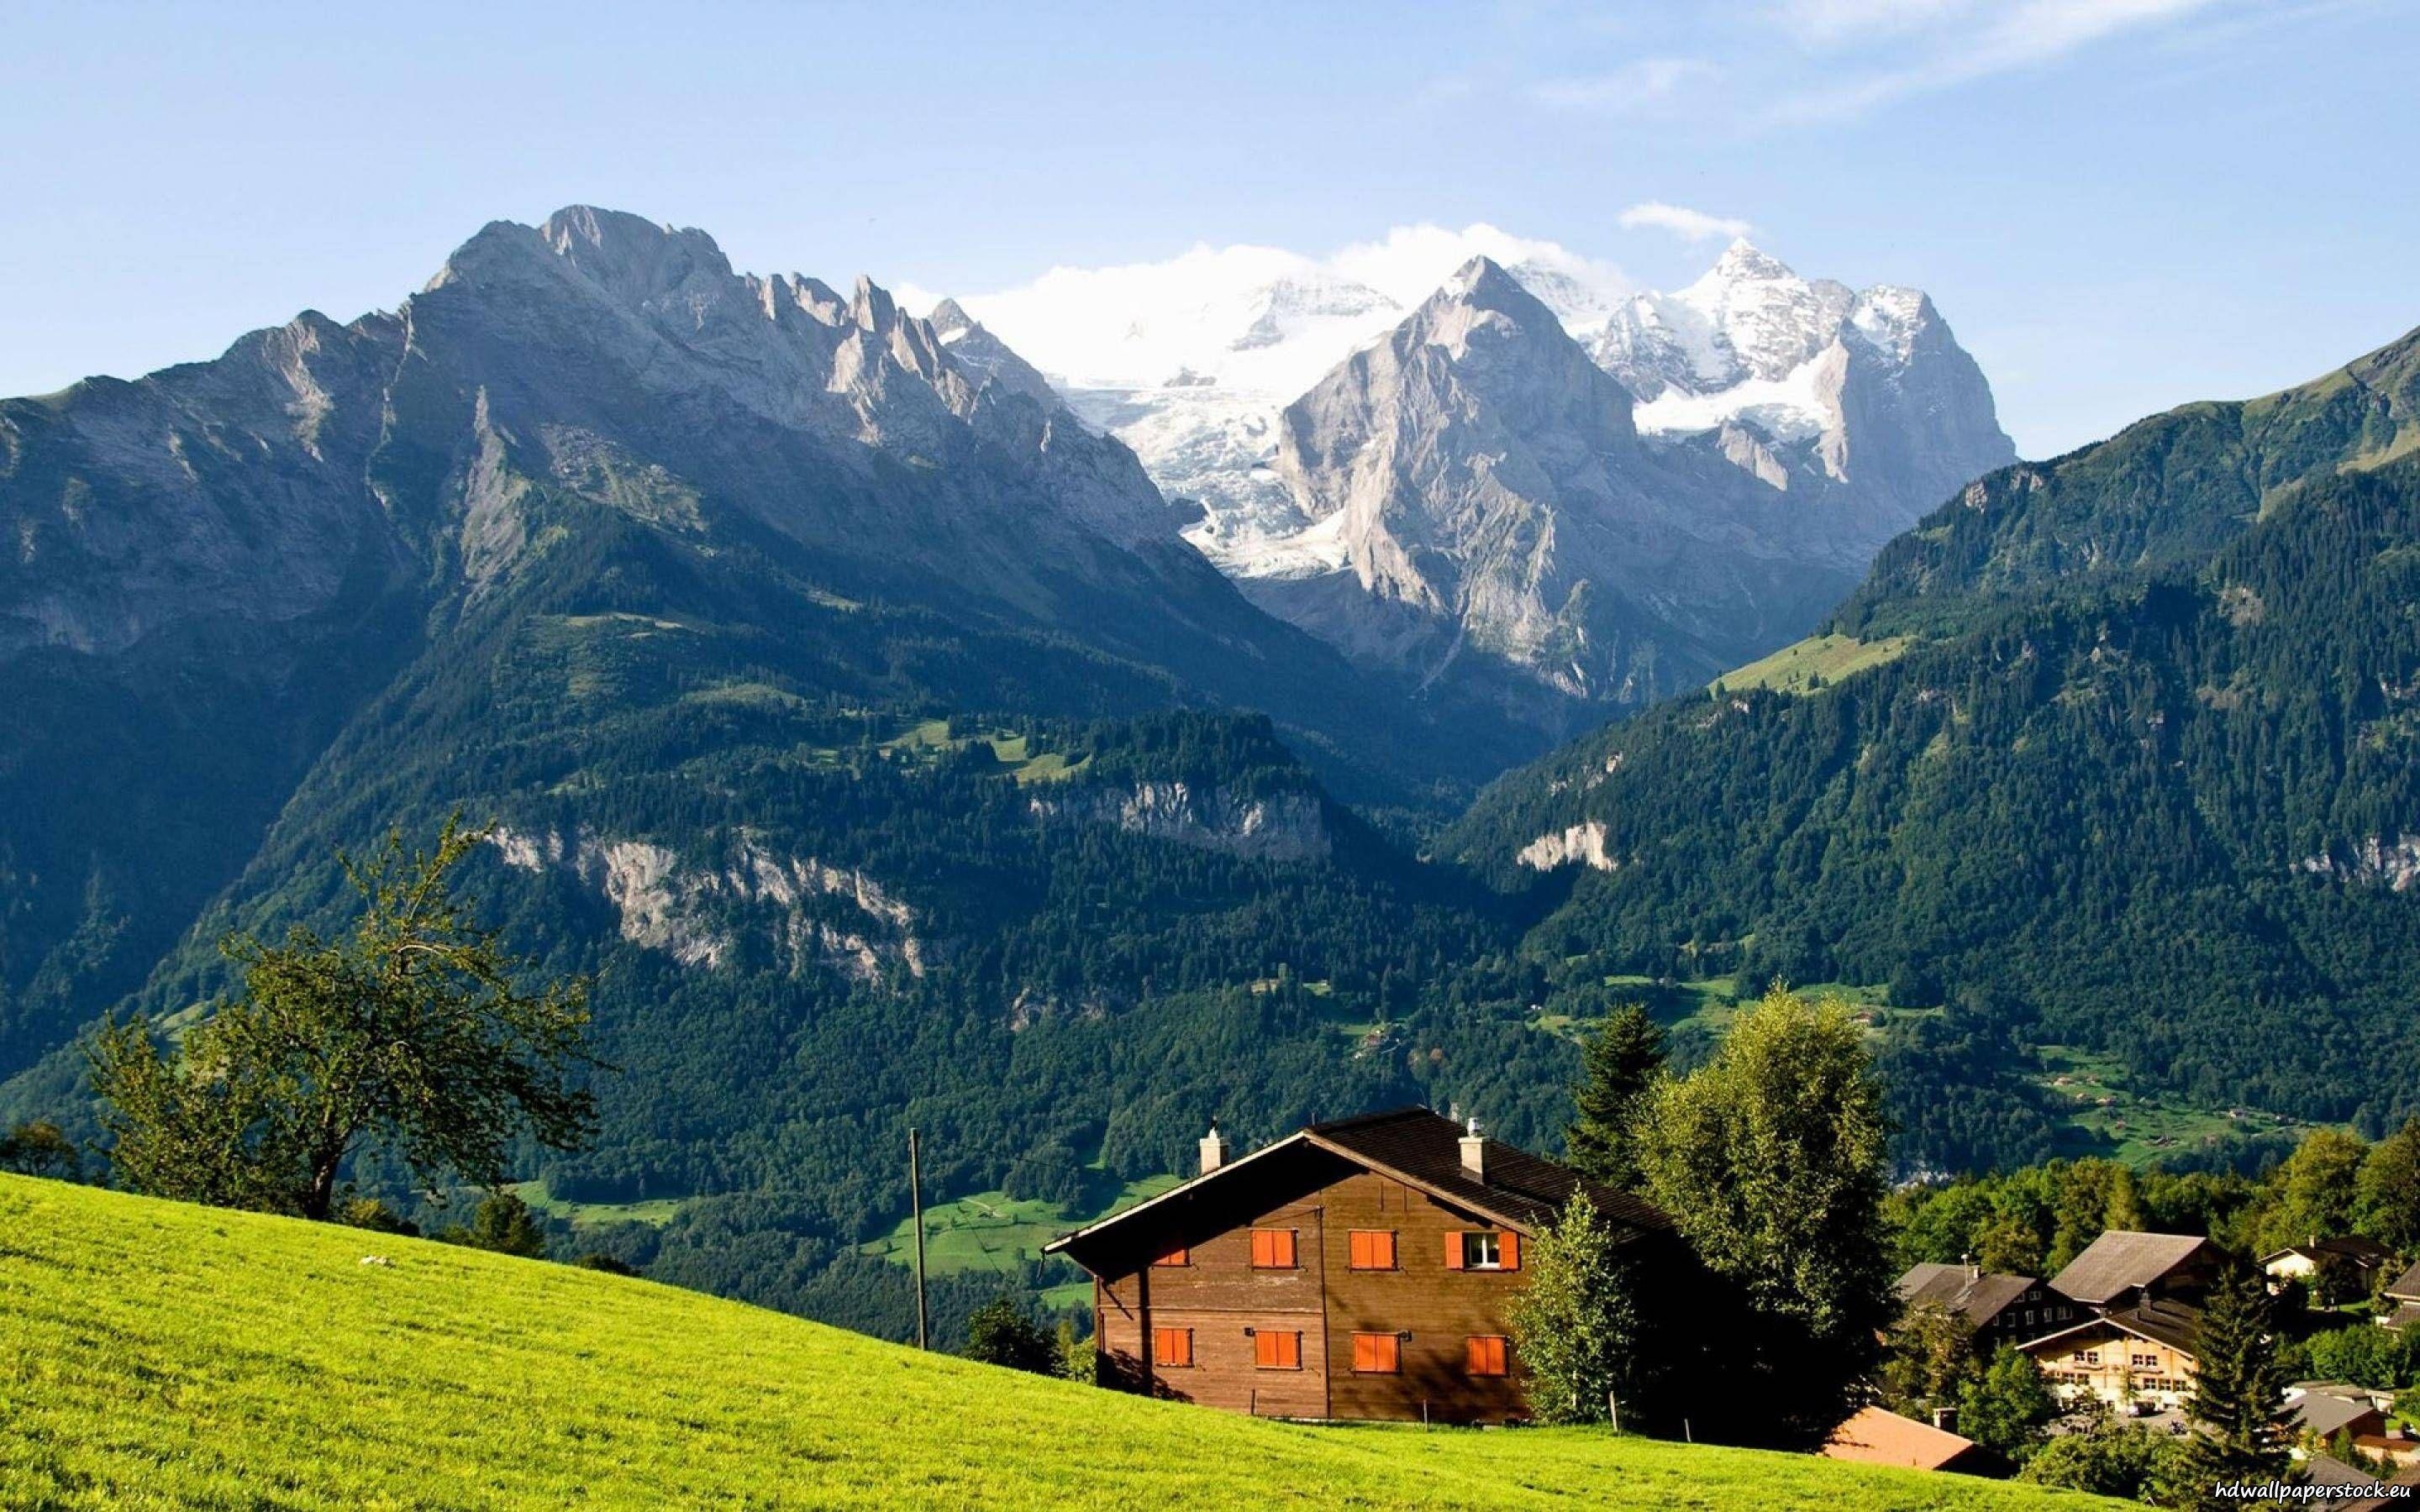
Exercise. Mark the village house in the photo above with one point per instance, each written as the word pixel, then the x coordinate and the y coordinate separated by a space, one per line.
pixel 1996 1305
pixel 2123 1268
pixel 2136 1359
pixel 2138 1297
pixel 2339 1268
pixel 1357 1270
pixel 2402 1296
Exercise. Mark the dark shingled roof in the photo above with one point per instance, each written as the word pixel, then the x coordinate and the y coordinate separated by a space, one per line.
pixel 2405 1288
pixel 1521 1191
pixel 2120 1261
pixel 2166 1322
pixel 1978 1299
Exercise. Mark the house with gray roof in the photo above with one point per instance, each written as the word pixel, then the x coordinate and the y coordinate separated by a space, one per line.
pixel 1996 1304
pixel 2125 1268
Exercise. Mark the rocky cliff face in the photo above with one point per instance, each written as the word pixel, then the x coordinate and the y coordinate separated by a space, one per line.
pixel 1800 419
pixel 1283 827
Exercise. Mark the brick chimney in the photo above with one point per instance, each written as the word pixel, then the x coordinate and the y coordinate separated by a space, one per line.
pixel 1474 1153
pixel 1214 1148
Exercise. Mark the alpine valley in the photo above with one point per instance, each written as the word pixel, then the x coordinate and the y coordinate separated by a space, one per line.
pixel 970 723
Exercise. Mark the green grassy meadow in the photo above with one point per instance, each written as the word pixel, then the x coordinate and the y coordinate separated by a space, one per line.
pixel 155 1354
pixel 1792 668
pixel 992 1231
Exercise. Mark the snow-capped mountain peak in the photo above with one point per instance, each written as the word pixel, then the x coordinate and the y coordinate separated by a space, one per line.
pixel 1854 403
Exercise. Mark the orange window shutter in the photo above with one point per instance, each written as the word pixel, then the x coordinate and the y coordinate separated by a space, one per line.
pixel 1260 1246
pixel 1453 1252
pixel 1285 1248
pixel 1265 1350
pixel 1289 1351
pixel 1511 1250
pixel 1358 1245
pixel 1383 1250
pixel 1375 1354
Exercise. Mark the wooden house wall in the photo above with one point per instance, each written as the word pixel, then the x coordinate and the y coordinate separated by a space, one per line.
pixel 1433 1309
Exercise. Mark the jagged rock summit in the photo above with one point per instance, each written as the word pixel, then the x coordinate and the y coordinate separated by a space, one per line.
pixel 1483 505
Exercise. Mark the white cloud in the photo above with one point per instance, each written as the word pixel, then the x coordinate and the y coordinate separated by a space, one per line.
pixel 1639 82
pixel 1143 323
pixel 1957 42
pixel 1693 226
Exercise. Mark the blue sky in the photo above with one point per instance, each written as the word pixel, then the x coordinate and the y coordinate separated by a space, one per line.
pixel 2118 203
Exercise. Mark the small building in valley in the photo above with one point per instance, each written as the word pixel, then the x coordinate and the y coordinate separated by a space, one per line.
pixel 2132 1358
pixel 1998 1306
pixel 1362 1269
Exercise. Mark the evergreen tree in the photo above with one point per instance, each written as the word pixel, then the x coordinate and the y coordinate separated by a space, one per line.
pixel 2237 1389
pixel 1770 1159
pixel 501 1222
pixel 1619 1066
pixel 408 1032
pixel 1575 1325
pixel 1929 1360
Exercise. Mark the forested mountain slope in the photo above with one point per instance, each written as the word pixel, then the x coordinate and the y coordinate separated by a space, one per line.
pixel 2132 763
pixel 224 575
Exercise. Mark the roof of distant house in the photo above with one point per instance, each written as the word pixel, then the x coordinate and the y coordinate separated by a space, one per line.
pixel 1879 1437
pixel 2324 1413
pixel 2327 1470
pixel 2162 1321
pixel 2359 1249
pixel 2405 1288
pixel 2120 1261
pixel 1977 1297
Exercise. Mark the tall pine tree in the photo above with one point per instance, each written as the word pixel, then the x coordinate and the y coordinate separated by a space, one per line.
pixel 1619 1064
pixel 2238 1391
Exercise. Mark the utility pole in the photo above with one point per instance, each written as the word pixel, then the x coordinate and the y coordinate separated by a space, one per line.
pixel 916 1205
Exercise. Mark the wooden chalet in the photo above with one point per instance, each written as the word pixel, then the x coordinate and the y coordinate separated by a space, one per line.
pixel 1359 1270
pixel 2346 1263
pixel 2128 1357
pixel 1996 1305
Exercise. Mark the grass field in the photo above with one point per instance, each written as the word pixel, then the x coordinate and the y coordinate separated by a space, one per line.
pixel 158 1355
pixel 2101 1115
pixel 993 1231
pixel 1828 657
pixel 655 1210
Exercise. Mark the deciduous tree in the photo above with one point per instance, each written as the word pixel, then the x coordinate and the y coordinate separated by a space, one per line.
pixel 1770 1159
pixel 1575 1325
pixel 409 1031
